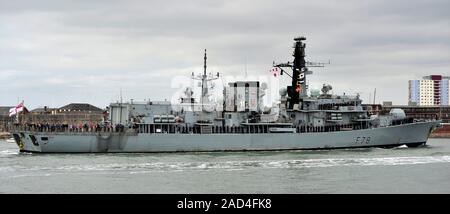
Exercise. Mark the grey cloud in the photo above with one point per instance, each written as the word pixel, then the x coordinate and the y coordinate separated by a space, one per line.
pixel 87 50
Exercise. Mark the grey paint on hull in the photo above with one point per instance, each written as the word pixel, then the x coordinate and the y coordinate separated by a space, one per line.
pixel 131 142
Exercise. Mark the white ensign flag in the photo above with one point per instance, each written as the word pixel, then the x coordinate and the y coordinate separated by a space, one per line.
pixel 15 110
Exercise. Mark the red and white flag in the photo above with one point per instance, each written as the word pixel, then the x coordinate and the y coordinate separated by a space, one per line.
pixel 15 110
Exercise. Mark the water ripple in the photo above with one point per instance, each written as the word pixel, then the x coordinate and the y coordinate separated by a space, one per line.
pixel 233 165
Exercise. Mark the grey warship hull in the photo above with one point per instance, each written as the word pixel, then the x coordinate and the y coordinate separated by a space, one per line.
pixel 412 134
pixel 238 121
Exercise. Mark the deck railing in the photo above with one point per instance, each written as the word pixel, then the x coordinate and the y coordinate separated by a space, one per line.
pixel 180 128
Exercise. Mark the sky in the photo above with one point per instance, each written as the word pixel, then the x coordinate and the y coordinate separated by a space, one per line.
pixel 57 52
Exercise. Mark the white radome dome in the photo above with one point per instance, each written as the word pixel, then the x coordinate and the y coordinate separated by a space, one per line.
pixel 398 113
pixel 283 92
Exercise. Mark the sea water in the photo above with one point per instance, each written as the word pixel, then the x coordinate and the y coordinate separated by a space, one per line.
pixel 370 170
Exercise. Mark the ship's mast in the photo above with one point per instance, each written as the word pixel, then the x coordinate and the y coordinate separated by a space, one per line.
pixel 204 78
pixel 204 81
pixel 298 88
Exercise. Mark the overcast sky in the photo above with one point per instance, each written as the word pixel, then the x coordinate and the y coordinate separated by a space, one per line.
pixel 57 52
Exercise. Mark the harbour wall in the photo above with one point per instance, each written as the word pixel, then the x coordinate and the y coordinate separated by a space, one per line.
pixel 442 132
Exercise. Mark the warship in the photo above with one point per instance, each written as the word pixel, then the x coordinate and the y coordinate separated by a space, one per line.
pixel 238 122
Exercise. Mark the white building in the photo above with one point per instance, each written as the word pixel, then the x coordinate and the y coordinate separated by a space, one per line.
pixel 430 91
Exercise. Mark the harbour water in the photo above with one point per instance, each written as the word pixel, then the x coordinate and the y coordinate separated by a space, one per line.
pixel 372 170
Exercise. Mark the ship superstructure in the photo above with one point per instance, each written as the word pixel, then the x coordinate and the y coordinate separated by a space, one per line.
pixel 241 107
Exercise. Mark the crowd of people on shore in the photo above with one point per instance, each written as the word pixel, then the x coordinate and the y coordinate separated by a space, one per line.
pixel 80 127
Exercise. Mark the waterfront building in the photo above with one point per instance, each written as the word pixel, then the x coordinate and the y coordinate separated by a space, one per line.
pixel 432 90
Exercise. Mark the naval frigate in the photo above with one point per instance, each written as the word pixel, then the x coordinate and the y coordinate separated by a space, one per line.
pixel 238 122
